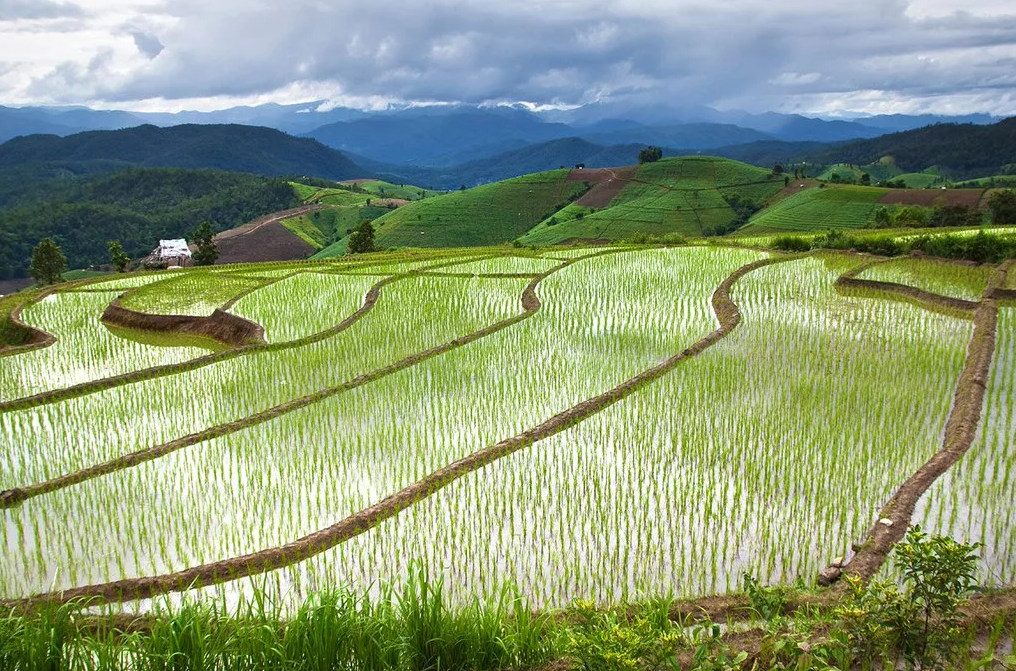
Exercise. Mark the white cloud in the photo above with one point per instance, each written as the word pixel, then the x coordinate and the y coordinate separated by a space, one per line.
pixel 886 54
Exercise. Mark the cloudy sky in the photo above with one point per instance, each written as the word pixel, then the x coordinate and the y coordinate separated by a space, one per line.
pixel 856 56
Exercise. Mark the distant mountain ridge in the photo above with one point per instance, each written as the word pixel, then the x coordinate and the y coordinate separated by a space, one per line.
pixel 250 149
pixel 444 135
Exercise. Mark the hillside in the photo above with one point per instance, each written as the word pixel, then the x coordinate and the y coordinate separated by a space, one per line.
pixel 137 207
pixel 960 151
pixel 438 139
pixel 816 209
pixel 250 149
pixel 490 214
pixel 689 196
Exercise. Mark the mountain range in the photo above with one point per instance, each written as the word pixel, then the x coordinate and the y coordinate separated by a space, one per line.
pixel 446 135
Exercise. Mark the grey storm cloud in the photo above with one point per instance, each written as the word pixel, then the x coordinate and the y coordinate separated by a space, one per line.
pixel 11 10
pixel 563 51
pixel 147 44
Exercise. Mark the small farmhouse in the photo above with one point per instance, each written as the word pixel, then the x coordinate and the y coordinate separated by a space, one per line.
pixel 169 253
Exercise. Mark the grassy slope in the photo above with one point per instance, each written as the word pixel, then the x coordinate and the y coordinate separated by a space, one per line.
pixel 490 214
pixel 404 191
pixel 677 195
pixel 819 209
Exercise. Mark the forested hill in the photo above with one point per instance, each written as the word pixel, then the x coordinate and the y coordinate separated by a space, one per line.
pixel 962 151
pixel 252 149
pixel 137 207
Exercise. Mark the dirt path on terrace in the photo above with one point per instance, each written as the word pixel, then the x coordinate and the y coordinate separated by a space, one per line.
pixel 256 224
pixel 274 558
pixel 530 304
pixel 102 384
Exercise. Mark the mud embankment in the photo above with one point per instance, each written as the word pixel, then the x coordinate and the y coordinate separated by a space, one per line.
pixel 931 301
pixel 222 326
pixel 961 427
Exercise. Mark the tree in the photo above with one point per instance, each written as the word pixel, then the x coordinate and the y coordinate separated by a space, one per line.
pixel 1003 207
pixel 778 169
pixel 362 241
pixel 207 252
pixel 650 155
pixel 117 256
pixel 48 262
pixel 865 179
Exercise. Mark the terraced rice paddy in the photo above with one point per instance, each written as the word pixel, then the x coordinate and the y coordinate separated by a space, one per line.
pixel 589 423
pixel 941 277
pixel 85 350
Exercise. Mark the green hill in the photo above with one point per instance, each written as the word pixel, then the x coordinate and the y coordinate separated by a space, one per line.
pixel 689 196
pixel 490 214
pixel 382 189
pixel 961 151
pixel 137 207
pixel 262 151
pixel 819 209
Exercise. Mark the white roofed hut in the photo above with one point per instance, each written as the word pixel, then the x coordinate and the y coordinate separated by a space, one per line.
pixel 170 253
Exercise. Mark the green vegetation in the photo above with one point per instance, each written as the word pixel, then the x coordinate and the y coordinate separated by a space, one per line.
pixel 136 207
pixel 117 256
pixel 206 251
pixel 818 209
pixel 978 245
pixel 690 196
pixel 362 240
pixel 384 189
pixel 934 275
pixel 637 423
pixel 491 214
pixel 1003 207
pixel 192 293
pixel 959 151
pixel 48 262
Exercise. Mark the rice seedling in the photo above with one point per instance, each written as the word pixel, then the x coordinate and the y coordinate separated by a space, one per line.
pixel 972 502
pixel 604 320
pixel 303 304
pixel 702 475
pixel 85 348
pixel 196 293
pixel 505 264
pixel 934 275
pixel 412 315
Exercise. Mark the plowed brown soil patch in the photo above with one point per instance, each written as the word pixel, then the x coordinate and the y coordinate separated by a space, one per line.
pixel 607 183
pixel 932 197
pixel 268 242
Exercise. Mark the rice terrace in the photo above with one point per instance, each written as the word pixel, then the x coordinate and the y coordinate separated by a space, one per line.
pixel 671 445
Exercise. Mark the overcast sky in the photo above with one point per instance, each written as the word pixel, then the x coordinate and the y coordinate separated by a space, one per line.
pixel 853 56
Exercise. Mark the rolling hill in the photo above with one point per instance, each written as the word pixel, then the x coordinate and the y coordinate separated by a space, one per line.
pixel 490 214
pixel 249 149
pixel 691 196
pixel 960 151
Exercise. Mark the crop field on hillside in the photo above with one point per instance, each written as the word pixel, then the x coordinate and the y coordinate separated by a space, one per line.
pixel 684 196
pixel 820 209
pixel 611 424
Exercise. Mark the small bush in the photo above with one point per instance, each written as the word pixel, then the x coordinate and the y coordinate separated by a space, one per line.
pixel 791 243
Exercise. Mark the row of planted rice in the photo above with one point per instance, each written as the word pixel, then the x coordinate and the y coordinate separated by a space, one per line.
pixel 604 320
pixel 702 475
pixel 973 502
